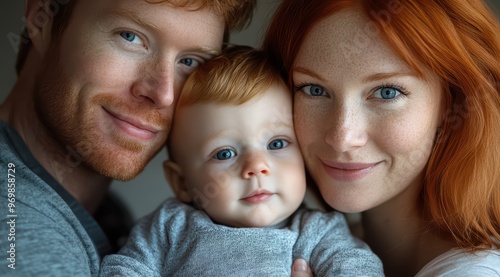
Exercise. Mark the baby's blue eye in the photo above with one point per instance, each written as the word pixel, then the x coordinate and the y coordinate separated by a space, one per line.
pixel 277 144
pixel 387 93
pixel 224 154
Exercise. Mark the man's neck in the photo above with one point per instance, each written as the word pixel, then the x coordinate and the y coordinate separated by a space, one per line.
pixel 84 184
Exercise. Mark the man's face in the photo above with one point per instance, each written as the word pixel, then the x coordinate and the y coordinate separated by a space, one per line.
pixel 111 81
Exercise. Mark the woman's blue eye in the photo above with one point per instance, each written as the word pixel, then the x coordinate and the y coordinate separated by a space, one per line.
pixel 277 144
pixel 224 154
pixel 314 90
pixel 129 36
pixel 387 93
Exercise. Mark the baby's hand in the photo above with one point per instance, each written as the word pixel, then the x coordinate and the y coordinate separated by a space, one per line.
pixel 300 268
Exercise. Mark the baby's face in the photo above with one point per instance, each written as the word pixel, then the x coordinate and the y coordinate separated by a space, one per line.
pixel 241 164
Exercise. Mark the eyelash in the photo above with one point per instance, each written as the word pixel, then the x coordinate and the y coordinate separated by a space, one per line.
pixel 220 149
pixel 129 43
pixel 302 85
pixel 287 140
pixel 400 88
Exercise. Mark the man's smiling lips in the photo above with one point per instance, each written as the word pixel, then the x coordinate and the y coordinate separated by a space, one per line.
pixel 133 127
pixel 258 196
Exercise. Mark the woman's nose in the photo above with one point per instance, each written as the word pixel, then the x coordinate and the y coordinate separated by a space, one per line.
pixel 347 128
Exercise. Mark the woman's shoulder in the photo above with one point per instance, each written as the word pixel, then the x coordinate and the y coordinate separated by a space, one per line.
pixel 458 262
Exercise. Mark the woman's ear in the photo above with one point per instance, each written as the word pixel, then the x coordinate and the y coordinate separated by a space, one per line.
pixel 39 20
pixel 174 176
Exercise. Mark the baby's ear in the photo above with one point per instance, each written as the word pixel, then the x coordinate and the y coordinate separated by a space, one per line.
pixel 174 176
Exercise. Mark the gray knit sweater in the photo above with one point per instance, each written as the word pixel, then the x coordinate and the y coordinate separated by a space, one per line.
pixel 45 232
pixel 179 240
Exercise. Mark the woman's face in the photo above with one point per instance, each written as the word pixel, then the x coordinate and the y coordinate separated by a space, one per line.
pixel 365 122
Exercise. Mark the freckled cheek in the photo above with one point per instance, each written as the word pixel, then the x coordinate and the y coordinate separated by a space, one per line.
pixel 102 66
pixel 308 126
pixel 406 139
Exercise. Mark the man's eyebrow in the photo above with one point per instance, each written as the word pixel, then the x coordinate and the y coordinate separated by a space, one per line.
pixel 131 15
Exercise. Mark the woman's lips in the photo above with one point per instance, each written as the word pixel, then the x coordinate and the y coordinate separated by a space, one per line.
pixel 348 172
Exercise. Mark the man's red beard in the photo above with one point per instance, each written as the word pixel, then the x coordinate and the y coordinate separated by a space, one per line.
pixel 75 125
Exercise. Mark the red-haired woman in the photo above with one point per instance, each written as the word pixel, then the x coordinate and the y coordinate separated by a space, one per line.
pixel 397 112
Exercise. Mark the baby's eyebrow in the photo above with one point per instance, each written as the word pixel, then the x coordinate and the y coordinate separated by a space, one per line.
pixel 209 140
pixel 279 124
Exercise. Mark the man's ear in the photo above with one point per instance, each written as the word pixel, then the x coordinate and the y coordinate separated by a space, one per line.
pixel 174 176
pixel 39 20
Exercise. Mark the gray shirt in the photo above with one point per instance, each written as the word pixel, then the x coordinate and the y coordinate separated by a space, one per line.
pixel 179 240
pixel 45 232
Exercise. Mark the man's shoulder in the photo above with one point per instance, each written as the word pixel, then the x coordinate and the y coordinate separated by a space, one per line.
pixel 6 147
pixel 46 237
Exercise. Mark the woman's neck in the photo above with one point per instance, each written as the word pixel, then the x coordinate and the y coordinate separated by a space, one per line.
pixel 398 234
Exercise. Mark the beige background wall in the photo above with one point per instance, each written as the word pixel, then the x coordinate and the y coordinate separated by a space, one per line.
pixel 145 192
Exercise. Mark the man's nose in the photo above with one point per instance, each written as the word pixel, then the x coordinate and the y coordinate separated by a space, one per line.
pixel 157 85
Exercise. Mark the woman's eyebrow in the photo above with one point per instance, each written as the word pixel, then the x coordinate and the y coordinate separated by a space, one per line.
pixel 386 75
pixel 309 73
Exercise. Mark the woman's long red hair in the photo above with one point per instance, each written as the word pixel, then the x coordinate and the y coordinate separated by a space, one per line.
pixel 460 42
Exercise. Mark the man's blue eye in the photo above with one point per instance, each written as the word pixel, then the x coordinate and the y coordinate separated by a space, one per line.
pixel 387 93
pixel 224 154
pixel 128 36
pixel 277 144
pixel 190 62
pixel 187 61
